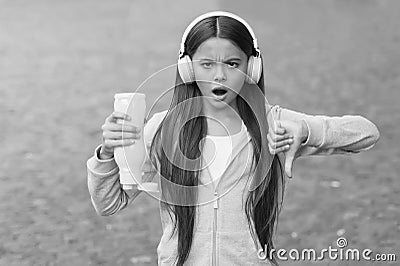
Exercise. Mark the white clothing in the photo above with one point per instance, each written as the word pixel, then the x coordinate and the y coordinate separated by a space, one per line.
pixel 217 152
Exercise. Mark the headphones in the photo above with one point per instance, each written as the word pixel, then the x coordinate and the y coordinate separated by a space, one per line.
pixel 254 65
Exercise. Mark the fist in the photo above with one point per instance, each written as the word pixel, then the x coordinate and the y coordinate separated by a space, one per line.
pixel 279 140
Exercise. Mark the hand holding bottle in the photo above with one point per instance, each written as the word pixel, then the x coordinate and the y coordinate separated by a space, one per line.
pixel 118 131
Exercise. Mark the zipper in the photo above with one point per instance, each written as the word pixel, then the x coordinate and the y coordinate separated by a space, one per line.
pixel 214 254
pixel 215 205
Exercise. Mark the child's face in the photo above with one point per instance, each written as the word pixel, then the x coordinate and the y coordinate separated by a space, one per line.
pixel 219 67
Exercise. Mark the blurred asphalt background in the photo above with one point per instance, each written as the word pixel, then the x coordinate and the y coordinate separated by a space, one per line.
pixel 62 61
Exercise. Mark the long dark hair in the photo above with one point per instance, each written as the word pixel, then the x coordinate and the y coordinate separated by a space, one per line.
pixel 182 132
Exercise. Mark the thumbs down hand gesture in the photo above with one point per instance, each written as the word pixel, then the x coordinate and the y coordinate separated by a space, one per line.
pixel 286 136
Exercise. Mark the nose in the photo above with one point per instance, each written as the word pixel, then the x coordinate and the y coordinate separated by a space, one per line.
pixel 220 74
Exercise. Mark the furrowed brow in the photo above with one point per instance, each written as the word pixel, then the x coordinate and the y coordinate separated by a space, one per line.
pixel 206 59
pixel 234 59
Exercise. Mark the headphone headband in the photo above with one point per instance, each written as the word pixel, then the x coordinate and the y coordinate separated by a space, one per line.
pixel 217 14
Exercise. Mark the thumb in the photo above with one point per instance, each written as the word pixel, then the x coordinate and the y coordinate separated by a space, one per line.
pixel 289 164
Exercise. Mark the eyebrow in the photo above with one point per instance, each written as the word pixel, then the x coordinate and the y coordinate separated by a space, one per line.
pixel 227 60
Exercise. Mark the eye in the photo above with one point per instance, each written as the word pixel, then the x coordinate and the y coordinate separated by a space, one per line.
pixel 207 64
pixel 232 64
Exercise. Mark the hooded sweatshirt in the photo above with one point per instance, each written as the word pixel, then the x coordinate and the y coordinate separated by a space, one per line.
pixel 221 234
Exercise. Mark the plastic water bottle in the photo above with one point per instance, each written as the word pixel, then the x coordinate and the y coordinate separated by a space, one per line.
pixel 130 158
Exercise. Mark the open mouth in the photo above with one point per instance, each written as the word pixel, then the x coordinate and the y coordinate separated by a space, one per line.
pixel 219 91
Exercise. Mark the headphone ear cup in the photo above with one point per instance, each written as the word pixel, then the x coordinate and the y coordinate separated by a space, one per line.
pixel 185 69
pixel 254 69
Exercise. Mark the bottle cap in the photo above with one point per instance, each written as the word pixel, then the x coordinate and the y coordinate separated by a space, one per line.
pixel 149 187
pixel 128 95
pixel 127 186
pixel 130 178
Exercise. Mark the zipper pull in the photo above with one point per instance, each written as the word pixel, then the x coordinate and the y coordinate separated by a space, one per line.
pixel 215 200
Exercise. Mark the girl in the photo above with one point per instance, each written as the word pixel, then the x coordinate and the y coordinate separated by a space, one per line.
pixel 220 152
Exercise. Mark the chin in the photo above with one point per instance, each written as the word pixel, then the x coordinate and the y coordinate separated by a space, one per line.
pixel 223 104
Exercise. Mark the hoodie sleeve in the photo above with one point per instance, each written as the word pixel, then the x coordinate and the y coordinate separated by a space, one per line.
pixel 106 193
pixel 332 134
